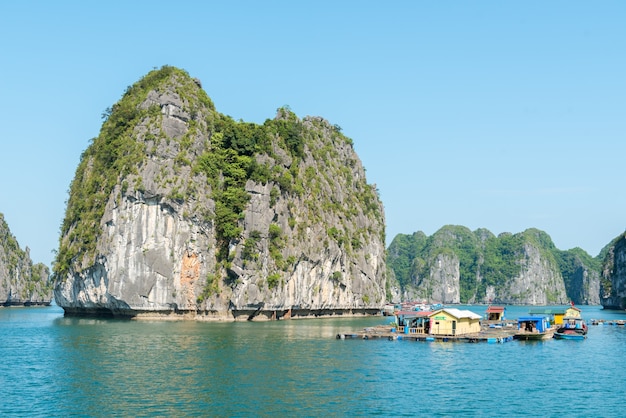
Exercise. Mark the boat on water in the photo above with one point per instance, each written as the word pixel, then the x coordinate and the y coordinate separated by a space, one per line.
pixel 533 328
pixel 573 328
pixel 389 309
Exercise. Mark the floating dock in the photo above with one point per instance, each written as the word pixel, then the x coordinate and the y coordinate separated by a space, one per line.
pixel 608 322
pixel 487 334
pixel 490 333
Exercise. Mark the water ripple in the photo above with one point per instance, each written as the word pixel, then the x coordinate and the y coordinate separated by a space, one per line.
pixel 56 366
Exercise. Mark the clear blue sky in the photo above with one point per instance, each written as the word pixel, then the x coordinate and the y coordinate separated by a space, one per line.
pixel 494 114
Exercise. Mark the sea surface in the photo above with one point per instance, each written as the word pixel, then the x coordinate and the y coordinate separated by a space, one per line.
pixel 51 365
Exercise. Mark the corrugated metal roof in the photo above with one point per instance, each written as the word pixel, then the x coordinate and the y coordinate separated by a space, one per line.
pixel 547 311
pixel 461 313
pixel 495 309
pixel 530 318
pixel 413 313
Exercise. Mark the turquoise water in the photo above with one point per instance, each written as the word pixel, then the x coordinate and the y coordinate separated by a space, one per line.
pixel 57 366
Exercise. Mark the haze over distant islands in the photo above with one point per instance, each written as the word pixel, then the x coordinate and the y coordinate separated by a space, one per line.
pixel 493 115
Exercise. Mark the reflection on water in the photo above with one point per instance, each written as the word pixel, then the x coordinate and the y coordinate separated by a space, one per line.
pixel 68 366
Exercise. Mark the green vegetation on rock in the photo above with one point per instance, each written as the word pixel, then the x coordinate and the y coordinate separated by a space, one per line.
pixel 230 162
pixel 484 259
pixel 111 156
pixel 164 143
pixel 20 279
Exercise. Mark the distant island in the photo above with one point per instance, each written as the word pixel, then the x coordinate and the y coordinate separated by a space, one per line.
pixel 21 281
pixel 456 265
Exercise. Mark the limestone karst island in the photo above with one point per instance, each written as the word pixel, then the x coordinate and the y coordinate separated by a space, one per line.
pixel 22 282
pixel 178 211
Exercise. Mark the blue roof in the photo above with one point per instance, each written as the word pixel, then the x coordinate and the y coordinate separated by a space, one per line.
pixel 530 318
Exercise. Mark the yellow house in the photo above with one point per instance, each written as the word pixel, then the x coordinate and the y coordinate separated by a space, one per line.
pixel 572 312
pixel 495 313
pixel 451 321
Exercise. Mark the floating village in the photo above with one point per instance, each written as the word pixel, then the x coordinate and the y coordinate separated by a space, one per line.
pixel 422 322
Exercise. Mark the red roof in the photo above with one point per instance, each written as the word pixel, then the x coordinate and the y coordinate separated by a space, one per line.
pixel 413 313
pixel 495 309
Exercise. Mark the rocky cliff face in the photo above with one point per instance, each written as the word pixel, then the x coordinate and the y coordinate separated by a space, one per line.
pixel 440 282
pixel 586 286
pixel 539 282
pixel 613 280
pixel 21 281
pixel 581 277
pixel 179 211
pixel 457 265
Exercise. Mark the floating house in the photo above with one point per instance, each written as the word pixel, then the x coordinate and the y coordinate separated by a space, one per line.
pixel 533 328
pixel 413 322
pixel 451 321
pixel 573 312
pixel 556 315
pixel 495 313
pixel 388 309
pixel 533 323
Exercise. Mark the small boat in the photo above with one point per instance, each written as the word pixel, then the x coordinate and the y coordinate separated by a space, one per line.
pixel 533 328
pixel 573 328
pixel 421 307
pixel 389 309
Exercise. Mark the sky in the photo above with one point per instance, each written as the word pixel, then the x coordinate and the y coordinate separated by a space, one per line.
pixel 488 114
